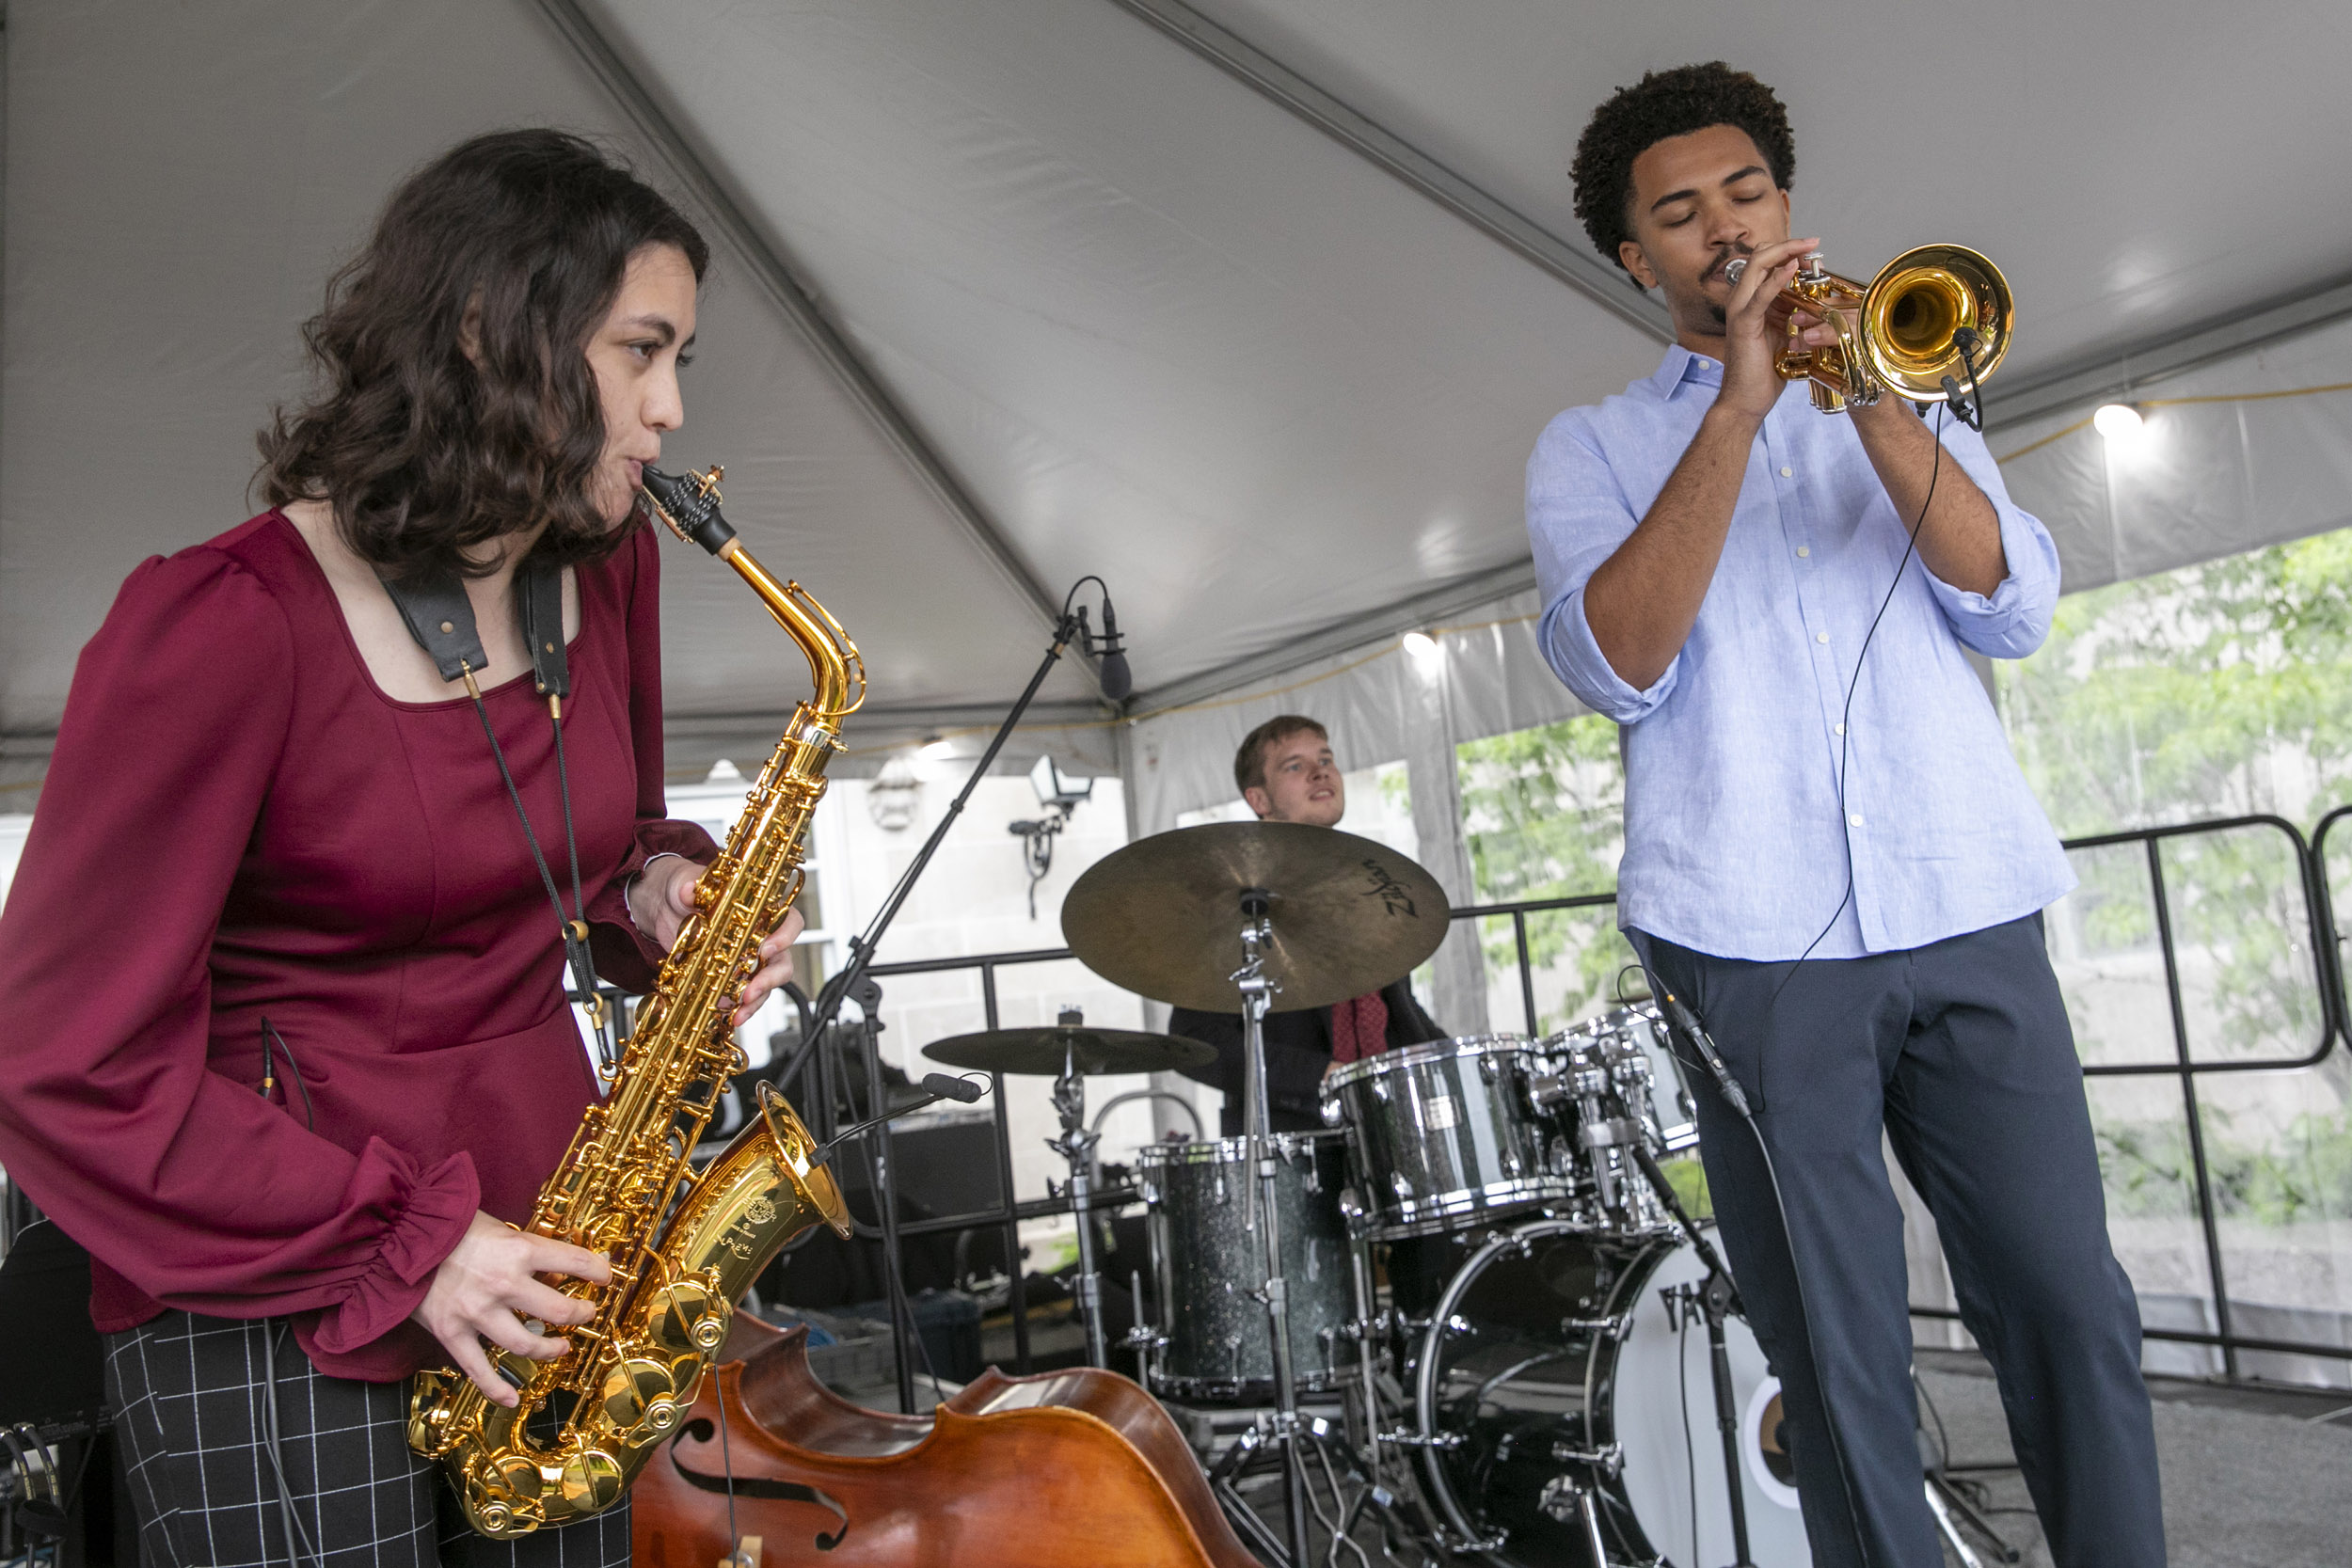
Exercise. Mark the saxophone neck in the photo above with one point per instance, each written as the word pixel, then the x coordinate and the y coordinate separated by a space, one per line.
pixel 835 669
pixel 688 507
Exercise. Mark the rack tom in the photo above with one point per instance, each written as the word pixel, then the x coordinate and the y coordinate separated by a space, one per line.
pixel 1445 1135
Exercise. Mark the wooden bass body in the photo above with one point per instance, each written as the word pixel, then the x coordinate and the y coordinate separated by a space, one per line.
pixel 1068 1470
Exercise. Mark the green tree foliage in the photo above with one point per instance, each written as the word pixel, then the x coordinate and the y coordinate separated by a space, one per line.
pixel 1544 812
pixel 2213 690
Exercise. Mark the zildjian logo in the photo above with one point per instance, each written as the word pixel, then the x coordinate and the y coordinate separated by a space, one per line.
pixel 1391 892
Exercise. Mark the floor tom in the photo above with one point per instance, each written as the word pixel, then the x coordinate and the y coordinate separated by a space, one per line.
pixel 1212 1344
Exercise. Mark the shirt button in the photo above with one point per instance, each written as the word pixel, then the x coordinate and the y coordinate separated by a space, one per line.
pixel 1821 637
pixel 1856 819
pixel 1842 729
pixel 1804 550
pixel 1786 472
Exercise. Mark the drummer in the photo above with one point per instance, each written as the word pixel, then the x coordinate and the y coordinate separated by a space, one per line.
pixel 1287 774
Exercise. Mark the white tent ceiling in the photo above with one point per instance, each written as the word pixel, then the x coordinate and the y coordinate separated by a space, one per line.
pixel 1009 292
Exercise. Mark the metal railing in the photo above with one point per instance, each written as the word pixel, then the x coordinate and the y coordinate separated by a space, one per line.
pixel 2183 1063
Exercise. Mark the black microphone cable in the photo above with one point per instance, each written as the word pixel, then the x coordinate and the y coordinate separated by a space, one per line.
pixel 1844 716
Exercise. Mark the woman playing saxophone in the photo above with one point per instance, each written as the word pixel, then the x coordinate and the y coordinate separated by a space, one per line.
pixel 286 954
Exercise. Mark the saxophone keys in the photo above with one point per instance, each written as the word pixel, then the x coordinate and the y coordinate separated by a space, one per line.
pixel 590 1482
pixel 640 1393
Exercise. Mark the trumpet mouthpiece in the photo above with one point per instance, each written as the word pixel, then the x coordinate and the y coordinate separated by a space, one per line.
pixel 1734 269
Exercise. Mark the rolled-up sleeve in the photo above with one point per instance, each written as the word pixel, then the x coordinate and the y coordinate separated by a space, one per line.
pixel 2012 621
pixel 1577 517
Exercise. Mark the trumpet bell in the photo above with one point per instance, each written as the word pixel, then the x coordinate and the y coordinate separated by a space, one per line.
pixel 1914 310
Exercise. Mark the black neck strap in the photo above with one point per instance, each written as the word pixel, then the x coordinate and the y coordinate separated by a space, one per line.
pixel 441 617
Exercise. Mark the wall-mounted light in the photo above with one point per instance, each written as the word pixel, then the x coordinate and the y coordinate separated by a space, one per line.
pixel 935 749
pixel 1423 650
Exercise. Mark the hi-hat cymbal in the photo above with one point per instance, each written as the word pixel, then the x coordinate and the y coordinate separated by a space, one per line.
pixel 1092 1051
pixel 1163 916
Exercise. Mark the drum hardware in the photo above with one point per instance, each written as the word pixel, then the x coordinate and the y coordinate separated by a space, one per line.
pixel 1405 1437
pixel 1076 1145
pixel 1071 1051
pixel 1564 1499
pixel 1608 1459
pixel 1616 1328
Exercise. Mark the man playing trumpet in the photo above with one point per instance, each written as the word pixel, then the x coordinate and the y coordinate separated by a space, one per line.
pixel 1833 858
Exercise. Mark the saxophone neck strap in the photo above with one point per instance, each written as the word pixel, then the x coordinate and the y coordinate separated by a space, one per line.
pixel 434 606
pixel 441 617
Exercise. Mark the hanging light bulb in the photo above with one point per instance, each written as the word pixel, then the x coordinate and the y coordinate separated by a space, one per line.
pixel 2119 421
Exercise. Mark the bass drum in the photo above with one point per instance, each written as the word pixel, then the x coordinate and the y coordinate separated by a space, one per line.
pixel 1553 1367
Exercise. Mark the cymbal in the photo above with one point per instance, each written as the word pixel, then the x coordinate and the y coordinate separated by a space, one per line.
pixel 1162 917
pixel 1042 1050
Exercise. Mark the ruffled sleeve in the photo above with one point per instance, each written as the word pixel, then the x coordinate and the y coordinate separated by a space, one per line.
pixel 180 1179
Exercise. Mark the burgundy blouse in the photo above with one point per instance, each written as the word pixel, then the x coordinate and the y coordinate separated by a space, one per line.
pixel 237 824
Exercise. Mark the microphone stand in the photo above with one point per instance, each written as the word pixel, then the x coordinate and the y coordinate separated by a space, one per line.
pixel 819 1016
pixel 827 1006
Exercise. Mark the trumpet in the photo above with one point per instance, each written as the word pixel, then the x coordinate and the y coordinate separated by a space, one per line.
pixel 1939 313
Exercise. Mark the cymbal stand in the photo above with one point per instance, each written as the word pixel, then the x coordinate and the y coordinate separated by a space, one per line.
pixel 1258 990
pixel 1076 1145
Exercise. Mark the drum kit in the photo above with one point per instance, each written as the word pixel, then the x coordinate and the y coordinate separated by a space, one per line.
pixel 1517 1390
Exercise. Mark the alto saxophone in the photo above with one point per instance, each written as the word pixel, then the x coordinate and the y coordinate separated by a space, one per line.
pixel 683 1247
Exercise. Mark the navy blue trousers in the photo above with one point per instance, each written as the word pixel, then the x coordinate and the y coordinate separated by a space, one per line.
pixel 1961 1052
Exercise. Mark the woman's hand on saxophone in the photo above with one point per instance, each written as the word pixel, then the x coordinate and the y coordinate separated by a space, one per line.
pixel 663 896
pixel 488 1287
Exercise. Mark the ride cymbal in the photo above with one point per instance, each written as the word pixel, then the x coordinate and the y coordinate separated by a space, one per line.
pixel 1163 916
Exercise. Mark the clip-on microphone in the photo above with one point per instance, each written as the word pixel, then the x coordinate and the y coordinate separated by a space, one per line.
pixel 1968 406
pixel 936 1086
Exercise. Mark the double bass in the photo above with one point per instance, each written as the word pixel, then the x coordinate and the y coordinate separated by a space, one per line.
pixel 1066 1469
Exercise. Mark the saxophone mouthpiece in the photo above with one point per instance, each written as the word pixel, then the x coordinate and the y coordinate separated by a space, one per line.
pixel 688 506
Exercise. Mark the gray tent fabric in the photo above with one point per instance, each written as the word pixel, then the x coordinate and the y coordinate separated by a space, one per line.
pixel 2244 452
pixel 1144 320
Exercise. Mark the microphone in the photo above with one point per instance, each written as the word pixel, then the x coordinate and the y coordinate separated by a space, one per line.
pixel 1118 680
pixel 936 1088
pixel 1686 1024
pixel 960 1089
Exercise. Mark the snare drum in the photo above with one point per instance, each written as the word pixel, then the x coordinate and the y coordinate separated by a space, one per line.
pixel 1213 1345
pixel 1443 1136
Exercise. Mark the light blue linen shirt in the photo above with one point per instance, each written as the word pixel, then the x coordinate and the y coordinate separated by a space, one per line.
pixel 1735 840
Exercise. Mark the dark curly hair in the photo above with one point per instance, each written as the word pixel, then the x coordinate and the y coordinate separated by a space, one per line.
pixel 1669 104
pixel 424 451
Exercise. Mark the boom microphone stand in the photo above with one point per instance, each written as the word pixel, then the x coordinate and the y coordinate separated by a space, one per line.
pixel 819 1016
pixel 1073 627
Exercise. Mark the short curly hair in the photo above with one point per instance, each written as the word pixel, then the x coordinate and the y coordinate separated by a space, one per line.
pixel 1669 104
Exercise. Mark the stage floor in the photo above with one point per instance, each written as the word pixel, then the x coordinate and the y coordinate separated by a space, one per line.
pixel 2254 1477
